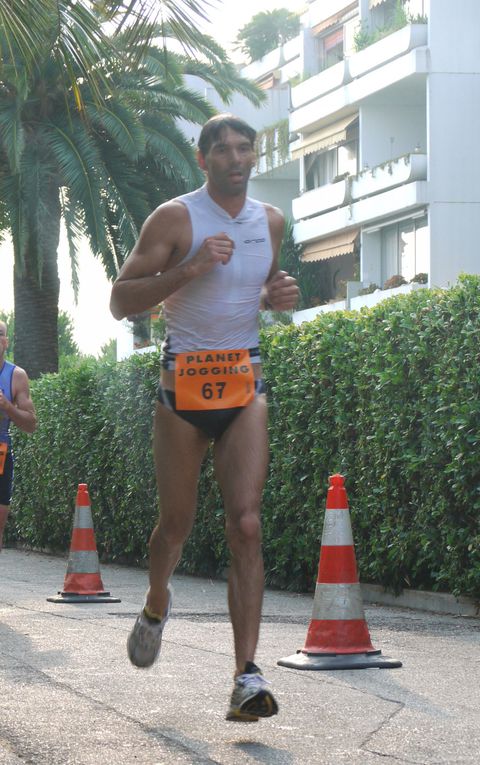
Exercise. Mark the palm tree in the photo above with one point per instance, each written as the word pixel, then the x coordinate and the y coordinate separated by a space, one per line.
pixel 266 30
pixel 100 155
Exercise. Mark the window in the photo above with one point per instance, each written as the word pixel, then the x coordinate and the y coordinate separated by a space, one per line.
pixel 322 167
pixel 405 248
pixel 331 48
pixel 347 157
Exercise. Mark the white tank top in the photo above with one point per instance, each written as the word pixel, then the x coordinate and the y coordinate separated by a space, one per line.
pixel 220 309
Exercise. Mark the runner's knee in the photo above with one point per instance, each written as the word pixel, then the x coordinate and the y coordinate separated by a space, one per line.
pixel 244 529
pixel 171 531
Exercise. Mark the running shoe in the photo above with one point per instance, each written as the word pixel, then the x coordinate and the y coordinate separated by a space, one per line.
pixel 251 698
pixel 145 639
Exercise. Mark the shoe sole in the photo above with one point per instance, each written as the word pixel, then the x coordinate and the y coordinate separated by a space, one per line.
pixel 238 716
pixel 261 705
pixel 139 664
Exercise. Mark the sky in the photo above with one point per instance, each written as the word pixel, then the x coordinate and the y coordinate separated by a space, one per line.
pixel 93 324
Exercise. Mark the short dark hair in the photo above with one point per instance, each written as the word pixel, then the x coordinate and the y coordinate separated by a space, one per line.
pixel 213 128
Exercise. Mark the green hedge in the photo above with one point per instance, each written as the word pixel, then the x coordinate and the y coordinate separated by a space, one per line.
pixel 389 397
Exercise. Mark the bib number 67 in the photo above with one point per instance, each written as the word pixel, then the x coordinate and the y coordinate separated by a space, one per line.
pixel 213 390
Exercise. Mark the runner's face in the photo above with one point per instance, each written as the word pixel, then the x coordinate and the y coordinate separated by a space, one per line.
pixel 228 162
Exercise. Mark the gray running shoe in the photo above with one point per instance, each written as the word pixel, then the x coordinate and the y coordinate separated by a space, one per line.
pixel 251 698
pixel 145 639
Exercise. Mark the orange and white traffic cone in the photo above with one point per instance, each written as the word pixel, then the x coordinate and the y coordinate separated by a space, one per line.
pixel 338 636
pixel 83 583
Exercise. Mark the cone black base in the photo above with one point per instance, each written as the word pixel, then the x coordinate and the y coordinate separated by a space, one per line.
pixel 370 660
pixel 72 597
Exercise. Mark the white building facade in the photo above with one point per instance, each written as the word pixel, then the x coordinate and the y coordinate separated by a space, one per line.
pixel 383 128
pixel 368 141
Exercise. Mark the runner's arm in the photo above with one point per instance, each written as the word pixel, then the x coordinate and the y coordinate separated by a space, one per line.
pixel 21 411
pixel 155 268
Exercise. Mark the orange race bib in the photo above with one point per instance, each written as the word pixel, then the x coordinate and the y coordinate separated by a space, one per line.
pixel 213 379
pixel 3 456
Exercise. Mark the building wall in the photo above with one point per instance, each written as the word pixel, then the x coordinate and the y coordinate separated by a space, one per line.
pixel 274 109
pixel 454 241
pixel 370 263
pixel 390 131
pixel 453 107
pixel 275 193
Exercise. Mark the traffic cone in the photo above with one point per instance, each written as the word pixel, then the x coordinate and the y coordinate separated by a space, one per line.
pixel 338 636
pixel 83 583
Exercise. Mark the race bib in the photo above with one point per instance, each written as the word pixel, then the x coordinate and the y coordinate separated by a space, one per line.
pixel 3 456
pixel 213 379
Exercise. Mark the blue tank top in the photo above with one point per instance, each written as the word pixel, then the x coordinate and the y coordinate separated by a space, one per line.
pixel 6 374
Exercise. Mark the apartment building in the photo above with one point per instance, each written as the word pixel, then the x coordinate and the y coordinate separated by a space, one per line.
pixel 368 141
pixel 383 122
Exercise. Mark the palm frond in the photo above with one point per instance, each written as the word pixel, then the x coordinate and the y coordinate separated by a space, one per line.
pixel 225 80
pixel 125 199
pixel 208 50
pixel 161 66
pixel 172 152
pixel 119 253
pixel 80 169
pixel 73 218
pixel 11 194
pixel 184 104
pixel 82 46
pixel 12 134
pixel 26 28
pixel 121 124
pixel 183 17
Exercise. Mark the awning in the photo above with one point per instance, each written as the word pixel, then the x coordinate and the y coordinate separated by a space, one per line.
pixel 324 138
pixel 332 20
pixel 331 246
pixel 374 3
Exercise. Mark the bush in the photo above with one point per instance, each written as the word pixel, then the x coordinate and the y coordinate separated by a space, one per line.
pixel 389 397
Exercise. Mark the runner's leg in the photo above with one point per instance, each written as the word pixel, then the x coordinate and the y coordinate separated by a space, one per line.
pixel 179 449
pixel 241 462
pixel 4 509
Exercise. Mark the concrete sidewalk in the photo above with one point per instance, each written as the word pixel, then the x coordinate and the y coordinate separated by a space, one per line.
pixel 68 695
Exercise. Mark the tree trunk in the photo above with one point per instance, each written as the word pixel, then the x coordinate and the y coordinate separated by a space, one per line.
pixel 36 298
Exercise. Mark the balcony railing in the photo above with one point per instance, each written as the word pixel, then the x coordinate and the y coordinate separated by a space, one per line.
pixel 368 183
pixel 395 172
pixel 323 82
pixel 380 53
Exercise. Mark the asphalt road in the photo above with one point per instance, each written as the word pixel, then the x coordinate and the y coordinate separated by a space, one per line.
pixel 68 695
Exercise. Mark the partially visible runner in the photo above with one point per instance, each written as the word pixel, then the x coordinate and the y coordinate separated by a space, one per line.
pixel 211 257
pixel 15 406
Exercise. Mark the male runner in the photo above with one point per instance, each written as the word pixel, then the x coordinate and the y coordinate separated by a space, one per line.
pixel 211 257
pixel 17 407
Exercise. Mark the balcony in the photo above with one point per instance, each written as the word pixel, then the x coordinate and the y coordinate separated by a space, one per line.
pixel 354 303
pixel 320 84
pixel 363 211
pixel 320 10
pixel 389 175
pixel 390 47
pixel 324 198
pixel 285 61
pixel 392 60
pixel 368 301
pixel 395 172
pixel 273 152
